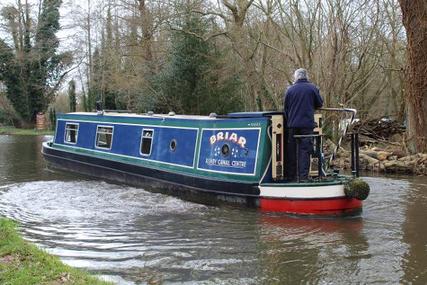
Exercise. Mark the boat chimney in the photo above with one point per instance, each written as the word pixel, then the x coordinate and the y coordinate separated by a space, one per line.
pixel 98 106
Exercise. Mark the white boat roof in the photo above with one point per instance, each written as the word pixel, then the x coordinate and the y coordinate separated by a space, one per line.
pixel 135 115
pixel 172 115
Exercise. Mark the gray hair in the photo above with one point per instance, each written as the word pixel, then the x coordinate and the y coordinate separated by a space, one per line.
pixel 300 73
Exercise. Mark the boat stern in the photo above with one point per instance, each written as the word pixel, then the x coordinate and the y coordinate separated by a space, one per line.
pixel 323 198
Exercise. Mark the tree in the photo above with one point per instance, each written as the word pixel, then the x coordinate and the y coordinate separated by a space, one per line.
pixel 72 95
pixel 32 67
pixel 415 22
pixel 192 81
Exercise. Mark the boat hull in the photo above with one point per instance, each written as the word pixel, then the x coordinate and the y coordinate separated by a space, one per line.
pixel 205 190
pixel 321 207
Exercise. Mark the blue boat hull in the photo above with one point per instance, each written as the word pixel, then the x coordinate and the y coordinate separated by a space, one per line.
pixel 202 190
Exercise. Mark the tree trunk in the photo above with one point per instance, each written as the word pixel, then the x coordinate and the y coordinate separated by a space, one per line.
pixel 415 22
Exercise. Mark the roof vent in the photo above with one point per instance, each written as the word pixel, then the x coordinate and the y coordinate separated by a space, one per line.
pixel 171 113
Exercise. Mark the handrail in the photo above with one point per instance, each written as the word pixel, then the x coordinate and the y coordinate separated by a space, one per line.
pixel 353 116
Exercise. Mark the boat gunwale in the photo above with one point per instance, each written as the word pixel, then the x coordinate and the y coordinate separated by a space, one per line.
pixel 338 181
pixel 175 171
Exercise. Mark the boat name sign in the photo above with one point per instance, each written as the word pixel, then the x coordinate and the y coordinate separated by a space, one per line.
pixel 223 150
pixel 226 136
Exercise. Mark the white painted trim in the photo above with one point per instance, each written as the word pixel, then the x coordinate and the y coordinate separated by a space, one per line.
pixel 152 141
pixel 303 192
pixel 141 125
pixel 56 130
pixel 198 140
pixel 229 172
pixel 151 126
pixel 96 137
pixel 65 132
pixel 270 158
pixel 135 174
pixel 126 156
pixel 128 124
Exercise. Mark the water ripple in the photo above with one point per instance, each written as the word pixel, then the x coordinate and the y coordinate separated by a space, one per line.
pixel 131 236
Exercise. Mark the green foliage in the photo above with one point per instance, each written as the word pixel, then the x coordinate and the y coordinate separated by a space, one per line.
pixel 192 81
pixel 31 71
pixel 8 115
pixel 24 263
pixel 106 68
pixel 85 103
pixel 357 188
pixel 52 117
pixel 72 95
pixel 10 69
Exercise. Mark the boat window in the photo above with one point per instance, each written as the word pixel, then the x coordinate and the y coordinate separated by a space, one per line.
pixel 146 142
pixel 71 133
pixel 104 137
pixel 172 145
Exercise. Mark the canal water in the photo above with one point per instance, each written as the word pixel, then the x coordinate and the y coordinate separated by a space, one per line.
pixel 131 236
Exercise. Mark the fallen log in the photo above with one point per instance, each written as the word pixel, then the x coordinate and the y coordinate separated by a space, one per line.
pixel 397 166
pixel 379 155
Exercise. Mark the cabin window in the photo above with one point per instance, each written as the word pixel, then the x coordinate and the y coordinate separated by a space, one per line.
pixel 172 145
pixel 104 137
pixel 71 133
pixel 146 142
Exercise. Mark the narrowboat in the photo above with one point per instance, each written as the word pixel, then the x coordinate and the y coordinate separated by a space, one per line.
pixel 236 158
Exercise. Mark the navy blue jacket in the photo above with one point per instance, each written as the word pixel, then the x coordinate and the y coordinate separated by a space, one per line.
pixel 301 99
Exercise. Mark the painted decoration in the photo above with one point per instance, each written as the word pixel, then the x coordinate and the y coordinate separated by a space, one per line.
pixel 229 150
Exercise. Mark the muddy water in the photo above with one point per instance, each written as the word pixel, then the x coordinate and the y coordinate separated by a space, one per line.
pixel 132 236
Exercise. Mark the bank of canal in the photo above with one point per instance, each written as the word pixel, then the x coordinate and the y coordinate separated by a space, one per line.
pixel 24 263
pixel 131 236
pixel 4 130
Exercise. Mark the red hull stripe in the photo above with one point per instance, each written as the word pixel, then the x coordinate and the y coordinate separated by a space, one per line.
pixel 335 206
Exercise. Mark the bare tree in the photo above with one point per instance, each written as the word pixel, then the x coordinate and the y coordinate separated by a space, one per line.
pixel 415 21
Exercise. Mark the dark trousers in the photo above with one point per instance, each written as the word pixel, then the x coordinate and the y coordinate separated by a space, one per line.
pixel 303 153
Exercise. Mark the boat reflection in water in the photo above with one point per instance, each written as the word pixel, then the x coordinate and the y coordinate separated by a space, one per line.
pixel 295 249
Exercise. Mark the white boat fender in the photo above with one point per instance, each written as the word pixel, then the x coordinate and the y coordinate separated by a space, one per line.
pixel 357 188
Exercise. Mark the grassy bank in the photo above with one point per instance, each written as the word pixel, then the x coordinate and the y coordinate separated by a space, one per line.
pixel 24 263
pixel 24 132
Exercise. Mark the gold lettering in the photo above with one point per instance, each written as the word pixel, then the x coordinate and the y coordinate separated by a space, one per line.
pixel 242 141
pixel 233 137
pixel 220 136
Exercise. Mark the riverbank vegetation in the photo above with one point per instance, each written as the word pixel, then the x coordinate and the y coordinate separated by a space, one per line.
pixel 23 132
pixel 200 56
pixel 23 263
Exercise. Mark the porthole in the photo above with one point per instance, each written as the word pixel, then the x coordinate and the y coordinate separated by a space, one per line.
pixel 225 150
pixel 172 145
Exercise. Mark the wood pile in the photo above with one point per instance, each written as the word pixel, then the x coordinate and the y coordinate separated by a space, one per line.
pixel 383 149
pixel 387 161
pixel 379 129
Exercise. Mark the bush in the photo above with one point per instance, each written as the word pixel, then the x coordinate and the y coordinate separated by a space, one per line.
pixel 8 115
